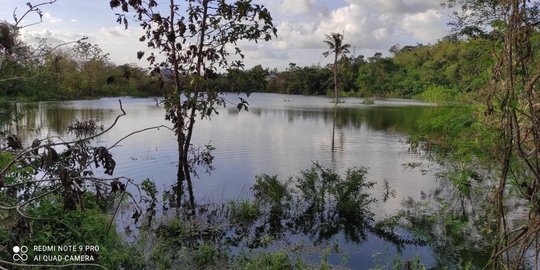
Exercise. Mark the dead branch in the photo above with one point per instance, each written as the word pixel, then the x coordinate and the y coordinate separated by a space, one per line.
pixel 31 8
pixel 139 131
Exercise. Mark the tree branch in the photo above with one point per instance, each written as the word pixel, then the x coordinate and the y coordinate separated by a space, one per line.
pixel 30 149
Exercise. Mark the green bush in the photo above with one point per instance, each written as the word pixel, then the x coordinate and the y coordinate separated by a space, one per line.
pixel 52 225
pixel 438 94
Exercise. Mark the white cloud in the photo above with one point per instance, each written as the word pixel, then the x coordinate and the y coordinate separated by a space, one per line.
pixel 48 18
pixel 380 34
pixel 369 26
pixel 425 25
pixel 297 6
pixel 54 37
pixel 122 45
pixel 398 6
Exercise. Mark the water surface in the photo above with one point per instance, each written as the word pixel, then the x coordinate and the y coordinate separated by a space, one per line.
pixel 279 135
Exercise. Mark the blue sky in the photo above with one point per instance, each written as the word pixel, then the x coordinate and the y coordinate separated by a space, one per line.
pixel 368 25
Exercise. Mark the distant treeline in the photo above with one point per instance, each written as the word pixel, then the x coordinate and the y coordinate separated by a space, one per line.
pixel 70 72
pixel 453 65
pixel 438 71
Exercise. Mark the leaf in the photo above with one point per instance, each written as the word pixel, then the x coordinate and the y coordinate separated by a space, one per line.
pixel 114 3
pixel 102 155
pixel 140 54
pixel 136 215
pixel 14 142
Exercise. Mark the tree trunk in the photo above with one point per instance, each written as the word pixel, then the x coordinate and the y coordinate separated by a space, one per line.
pixel 179 124
pixel 335 77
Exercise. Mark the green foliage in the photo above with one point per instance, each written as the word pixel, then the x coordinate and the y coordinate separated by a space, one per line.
pixel 243 212
pixel 269 189
pixel 368 101
pixel 438 94
pixel 53 226
pixel 312 80
pixel 267 261
pixel 328 203
pixel 82 71
pixel 149 187
pixel 319 203
pixel 205 256
pixel 415 264
pixel 445 71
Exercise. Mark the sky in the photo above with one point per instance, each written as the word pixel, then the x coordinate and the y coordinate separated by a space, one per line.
pixel 369 26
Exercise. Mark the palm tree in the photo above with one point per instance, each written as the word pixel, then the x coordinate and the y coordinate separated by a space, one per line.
pixel 335 42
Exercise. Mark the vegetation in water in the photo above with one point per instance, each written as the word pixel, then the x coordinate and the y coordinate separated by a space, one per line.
pixel 318 204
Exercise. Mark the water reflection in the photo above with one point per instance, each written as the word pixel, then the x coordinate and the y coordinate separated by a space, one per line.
pixel 44 119
pixel 320 209
pixel 384 118
pixel 273 137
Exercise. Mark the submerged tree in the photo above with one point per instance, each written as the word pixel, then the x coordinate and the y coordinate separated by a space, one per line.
pixel 335 42
pixel 193 38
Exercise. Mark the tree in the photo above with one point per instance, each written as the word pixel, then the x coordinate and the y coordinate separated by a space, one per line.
pixel 512 108
pixel 395 49
pixel 18 60
pixel 11 48
pixel 92 62
pixel 335 42
pixel 194 37
pixel 59 73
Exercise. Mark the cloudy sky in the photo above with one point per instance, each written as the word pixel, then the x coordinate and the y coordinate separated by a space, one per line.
pixel 368 25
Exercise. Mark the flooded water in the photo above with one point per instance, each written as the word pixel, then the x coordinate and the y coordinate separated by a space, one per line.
pixel 279 135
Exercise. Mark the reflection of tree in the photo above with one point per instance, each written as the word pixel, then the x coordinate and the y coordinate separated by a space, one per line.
pixel 450 222
pixel 319 204
pixel 328 204
pixel 384 118
pixel 334 127
pixel 53 118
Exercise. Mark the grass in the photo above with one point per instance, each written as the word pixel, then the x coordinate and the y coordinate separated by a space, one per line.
pixel 243 212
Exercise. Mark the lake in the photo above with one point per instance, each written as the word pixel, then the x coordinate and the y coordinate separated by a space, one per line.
pixel 279 135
